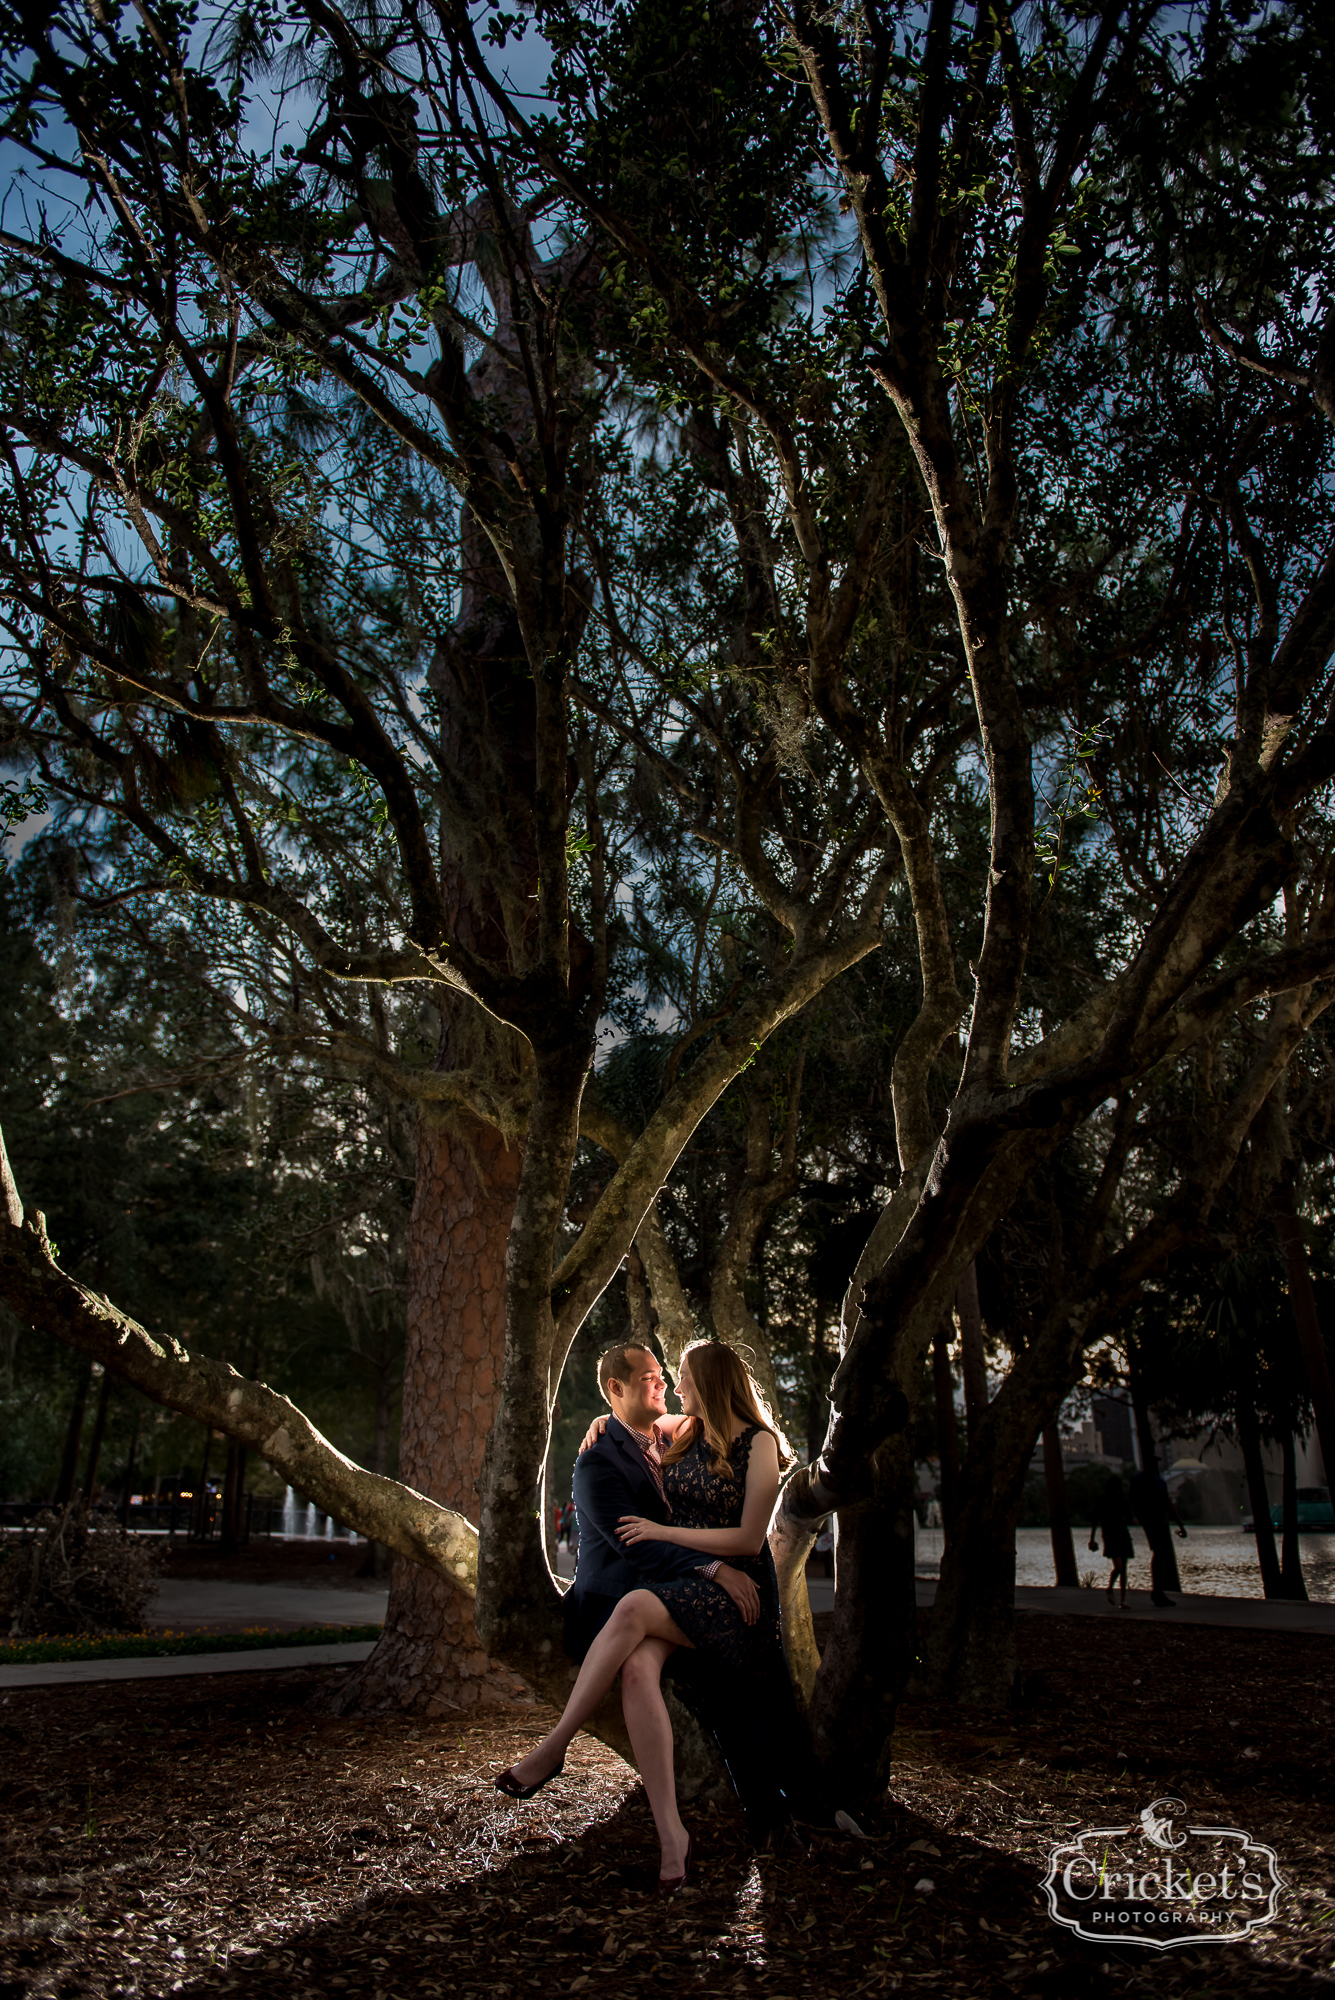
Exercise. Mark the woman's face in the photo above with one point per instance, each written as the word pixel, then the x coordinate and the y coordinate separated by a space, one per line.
pixel 686 1395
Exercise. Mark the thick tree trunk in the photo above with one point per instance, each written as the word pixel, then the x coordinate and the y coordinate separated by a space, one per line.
pixel 1249 1437
pixel 69 1458
pixel 947 1429
pixel 973 1360
pixel 1059 1510
pixel 1302 1299
pixel 869 1657
pixel 430 1659
pixel 1290 1568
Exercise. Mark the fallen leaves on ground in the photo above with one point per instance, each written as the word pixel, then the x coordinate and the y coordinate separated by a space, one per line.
pixel 215 1835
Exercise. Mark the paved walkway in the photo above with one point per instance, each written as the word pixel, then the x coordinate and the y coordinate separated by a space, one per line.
pixel 221 1606
pixel 1246 1614
pixel 264 1660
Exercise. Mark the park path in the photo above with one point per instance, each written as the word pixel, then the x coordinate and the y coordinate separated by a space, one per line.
pixel 233 1606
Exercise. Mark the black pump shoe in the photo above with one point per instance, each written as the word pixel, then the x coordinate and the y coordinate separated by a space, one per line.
pixel 512 1789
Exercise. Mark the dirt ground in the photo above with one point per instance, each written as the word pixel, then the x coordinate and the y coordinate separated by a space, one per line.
pixel 221 1835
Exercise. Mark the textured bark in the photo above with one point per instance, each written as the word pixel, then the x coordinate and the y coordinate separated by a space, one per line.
pixel 870 1654
pixel 1059 1510
pixel 430 1658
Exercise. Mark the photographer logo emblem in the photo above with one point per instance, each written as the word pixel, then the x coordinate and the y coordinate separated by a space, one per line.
pixel 1162 1881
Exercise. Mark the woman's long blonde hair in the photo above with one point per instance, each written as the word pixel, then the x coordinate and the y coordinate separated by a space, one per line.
pixel 726 1389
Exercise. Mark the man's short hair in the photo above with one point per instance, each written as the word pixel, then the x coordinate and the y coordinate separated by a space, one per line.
pixel 616 1364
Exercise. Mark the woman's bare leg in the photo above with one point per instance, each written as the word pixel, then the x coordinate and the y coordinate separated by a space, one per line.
pixel 650 1734
pixel 639 1616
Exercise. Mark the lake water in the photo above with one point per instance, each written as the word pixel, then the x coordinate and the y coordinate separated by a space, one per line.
pixel 1215 1562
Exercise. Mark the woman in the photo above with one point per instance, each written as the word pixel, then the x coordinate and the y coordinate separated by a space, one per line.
pixel 721 1478
pixel 1114 1521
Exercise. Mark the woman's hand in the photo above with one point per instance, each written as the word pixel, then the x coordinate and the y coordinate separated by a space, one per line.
pixel 634 1528
pixel 594 1432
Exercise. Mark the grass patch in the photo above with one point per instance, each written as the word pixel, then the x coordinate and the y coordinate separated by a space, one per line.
pixel 168 1645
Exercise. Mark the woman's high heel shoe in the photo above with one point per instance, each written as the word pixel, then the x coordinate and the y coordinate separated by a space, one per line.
pixel 668 1885
pixel 509 1784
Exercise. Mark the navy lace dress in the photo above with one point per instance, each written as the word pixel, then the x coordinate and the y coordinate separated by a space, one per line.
pixel 702 1498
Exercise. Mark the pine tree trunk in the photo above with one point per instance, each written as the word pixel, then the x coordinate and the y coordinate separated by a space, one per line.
pixel 1059 1510
pixel 429 1659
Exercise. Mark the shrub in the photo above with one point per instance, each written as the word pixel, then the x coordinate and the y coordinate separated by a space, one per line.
pixel 69 1574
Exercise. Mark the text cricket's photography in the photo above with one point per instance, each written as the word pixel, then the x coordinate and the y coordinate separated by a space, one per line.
pixel 1162 1881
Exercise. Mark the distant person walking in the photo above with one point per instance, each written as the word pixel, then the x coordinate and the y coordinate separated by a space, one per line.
pixel 1154 1510
pixel 1113 1522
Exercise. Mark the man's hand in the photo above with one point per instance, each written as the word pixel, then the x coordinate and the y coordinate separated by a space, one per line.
pixel 1181 1532
pixel 594 1432
pixel 741 1590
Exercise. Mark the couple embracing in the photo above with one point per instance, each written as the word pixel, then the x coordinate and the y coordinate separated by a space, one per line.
pixel 675 1573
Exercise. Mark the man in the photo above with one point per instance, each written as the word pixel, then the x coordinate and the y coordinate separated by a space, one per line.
pixel 1154 1509
pixel 620 1475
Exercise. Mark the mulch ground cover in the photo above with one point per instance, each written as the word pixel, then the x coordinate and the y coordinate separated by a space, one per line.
pixel 222 1835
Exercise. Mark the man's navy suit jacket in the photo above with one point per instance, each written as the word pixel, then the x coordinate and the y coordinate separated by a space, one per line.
pixel 612 1479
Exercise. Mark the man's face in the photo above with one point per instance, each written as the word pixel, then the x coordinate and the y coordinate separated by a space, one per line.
pixel 644 1395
